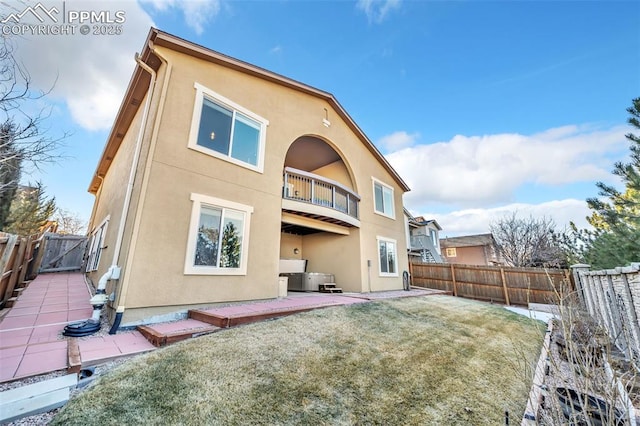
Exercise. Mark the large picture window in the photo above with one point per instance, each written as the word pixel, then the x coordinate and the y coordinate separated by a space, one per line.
pixel 388 257
pixel 218 237
pixel 383 199
pixel 225 130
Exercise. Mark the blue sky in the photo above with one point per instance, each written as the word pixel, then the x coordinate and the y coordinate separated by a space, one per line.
pixel 483 107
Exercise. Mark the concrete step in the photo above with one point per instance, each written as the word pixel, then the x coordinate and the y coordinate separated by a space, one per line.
pixel 35 398
pixel 329 288
pixel 167 333
pixel 226 321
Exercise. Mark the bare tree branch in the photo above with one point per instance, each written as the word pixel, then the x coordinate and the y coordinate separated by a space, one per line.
pixel 25 140
pixel 527 242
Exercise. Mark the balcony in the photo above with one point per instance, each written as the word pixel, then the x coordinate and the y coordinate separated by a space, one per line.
pixel 423 244
pixel 320 198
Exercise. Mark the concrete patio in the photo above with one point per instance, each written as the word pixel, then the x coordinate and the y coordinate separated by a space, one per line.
pixel 31 341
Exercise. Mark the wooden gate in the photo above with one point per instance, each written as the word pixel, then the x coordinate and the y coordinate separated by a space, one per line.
pixel 62 252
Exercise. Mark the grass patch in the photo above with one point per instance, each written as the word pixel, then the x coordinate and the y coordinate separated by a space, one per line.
pixel 426 360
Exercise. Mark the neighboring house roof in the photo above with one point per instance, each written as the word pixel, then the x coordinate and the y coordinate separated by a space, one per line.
pixel 420 220
pixel 434 223
pixel 139 83
pixel 467 241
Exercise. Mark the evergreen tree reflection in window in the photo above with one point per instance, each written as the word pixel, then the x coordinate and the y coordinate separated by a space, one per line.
pixel 208 237
pixel 230 254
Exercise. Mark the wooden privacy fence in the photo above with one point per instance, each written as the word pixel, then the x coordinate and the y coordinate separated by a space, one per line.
pixel 612 297
pixel 22 258
pixel 510 286
pixel 16 263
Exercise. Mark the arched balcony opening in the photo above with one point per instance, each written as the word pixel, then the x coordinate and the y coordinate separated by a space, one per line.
pixel 318 183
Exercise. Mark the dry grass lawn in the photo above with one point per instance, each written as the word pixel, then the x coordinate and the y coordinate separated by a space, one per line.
pixel 426 360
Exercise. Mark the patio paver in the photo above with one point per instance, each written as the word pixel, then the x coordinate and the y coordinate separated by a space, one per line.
pixel 30 334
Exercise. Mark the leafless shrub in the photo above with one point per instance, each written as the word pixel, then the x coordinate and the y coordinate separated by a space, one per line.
pixel 587 379
pixel 526 242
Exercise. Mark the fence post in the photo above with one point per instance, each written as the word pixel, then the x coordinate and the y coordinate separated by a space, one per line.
pixel 575 270
pixel 453 279
pixel 504 287
pixel 15 269
pixel 610 319
pixel 25 261
pixel 37 261
pixel 601 307
pixel 6 255
pixel 618 319
pixel 592 303
pixel 631 309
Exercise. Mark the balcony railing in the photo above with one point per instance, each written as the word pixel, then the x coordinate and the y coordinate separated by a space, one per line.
pixel 309 188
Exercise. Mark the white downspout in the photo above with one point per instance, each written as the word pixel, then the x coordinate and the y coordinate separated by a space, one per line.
pixel 115 269
pixel 113 273
pixel 134 164
pixel 154 135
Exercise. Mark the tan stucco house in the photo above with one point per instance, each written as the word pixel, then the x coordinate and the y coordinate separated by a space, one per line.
pixel 471 250
pixel 217 170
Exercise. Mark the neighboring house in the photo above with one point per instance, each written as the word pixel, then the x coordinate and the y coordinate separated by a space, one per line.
pixel 422 238
pixel 216 169
pixel 470 250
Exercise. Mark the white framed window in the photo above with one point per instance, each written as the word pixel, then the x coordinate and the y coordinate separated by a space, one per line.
pixel 383 199
pixel 225 130
pixel 96 245
pixel 218 237
pixel 434 237
pixel 388 257
pixel 451 252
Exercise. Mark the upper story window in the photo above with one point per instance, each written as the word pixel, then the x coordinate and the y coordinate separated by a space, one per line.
pixel 383 199
pixel 451 252
pixel 226 130
pixel 434 237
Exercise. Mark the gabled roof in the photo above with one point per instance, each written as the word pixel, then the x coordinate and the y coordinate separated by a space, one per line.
pixel 420 220
pixel 467 241
pixel 139 83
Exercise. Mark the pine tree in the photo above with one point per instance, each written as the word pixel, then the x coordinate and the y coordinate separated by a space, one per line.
pixel 30 211
pixel 616 239
pixel 9 170
pixel 230 253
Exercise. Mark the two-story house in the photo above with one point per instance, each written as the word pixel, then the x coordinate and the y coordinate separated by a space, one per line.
pixel 423 238
pixel 216 169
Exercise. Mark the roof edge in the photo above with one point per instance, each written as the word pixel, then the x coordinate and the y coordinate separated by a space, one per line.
pixel 161 38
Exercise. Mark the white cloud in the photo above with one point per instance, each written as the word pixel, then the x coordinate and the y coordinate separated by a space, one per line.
pixel 485 170
pixel 276 50
pixel 397 140
pixel 88 72
pixel 377 10
pixel 477 221
pixel 197 13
